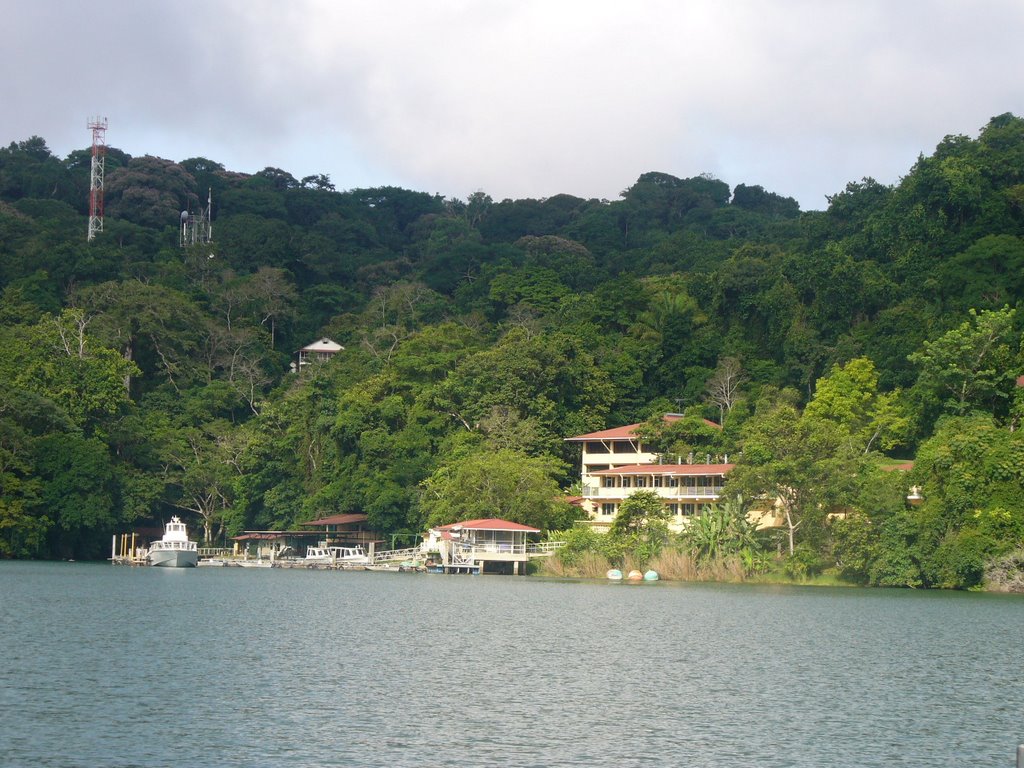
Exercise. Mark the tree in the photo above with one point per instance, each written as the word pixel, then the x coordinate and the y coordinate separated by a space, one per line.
pixel 689 435
pixel 640 528
pixel 849 398
pixel 972 365
pixel 971 475
pixel 722 530
pixel 640 512
pixel 800 465
pixel 57 359
pixel 200 473
pixel 149 191
pixel 151 325
pixel 505 484
pixel 724 386
pixel 79 492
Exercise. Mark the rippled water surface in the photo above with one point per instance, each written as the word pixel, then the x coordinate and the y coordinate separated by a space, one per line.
pixel 113 666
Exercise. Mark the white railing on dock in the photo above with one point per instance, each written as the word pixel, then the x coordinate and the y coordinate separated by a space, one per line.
pixel 544 548
pixel 539 549
pixel 397 555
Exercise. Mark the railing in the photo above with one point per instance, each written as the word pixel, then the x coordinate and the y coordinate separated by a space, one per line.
pixel 538 549
pixel 467 551
pixel 680 492
pixel 216 552
pixel 544 548
pixel 397 555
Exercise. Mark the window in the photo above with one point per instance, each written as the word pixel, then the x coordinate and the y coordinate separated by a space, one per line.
pixel 658 480
pixel 626 482
pixel 689 509
pixel 640 482
pixel 596 447
pixel 607 510
pixel 673 482
pixel 673 509
pixel 608 482
pixel 622 446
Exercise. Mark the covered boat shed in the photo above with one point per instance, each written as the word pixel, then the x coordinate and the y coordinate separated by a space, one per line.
pixel 489 545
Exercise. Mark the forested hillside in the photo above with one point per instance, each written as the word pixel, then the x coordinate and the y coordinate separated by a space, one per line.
pixel 142 379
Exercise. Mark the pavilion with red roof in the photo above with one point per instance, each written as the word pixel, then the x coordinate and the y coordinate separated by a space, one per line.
pixel 488 545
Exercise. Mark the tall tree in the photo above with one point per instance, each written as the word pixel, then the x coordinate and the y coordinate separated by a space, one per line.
pixel 973 365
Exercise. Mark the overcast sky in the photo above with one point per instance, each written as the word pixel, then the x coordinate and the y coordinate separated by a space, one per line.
pixel 518 98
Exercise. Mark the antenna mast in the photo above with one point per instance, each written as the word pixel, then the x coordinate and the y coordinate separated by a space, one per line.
pixel 98 126
pixel 197 228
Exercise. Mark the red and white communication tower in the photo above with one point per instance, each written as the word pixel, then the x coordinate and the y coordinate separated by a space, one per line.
pixel 98 126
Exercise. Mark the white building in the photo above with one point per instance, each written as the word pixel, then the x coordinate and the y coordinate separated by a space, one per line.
pixel 318 352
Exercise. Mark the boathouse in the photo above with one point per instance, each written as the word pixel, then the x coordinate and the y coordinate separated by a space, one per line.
pixel 346 530
pixel 490 545
pixel 273 544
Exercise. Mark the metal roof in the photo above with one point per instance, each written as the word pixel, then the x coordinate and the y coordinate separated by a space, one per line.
pixel 628 432
pixel 670 470
pixel 324 345
pixel 338 520
pixel 487 524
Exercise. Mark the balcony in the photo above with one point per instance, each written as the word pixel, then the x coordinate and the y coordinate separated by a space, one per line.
pixel 679 492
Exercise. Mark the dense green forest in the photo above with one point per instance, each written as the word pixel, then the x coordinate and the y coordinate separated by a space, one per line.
pixel 142 379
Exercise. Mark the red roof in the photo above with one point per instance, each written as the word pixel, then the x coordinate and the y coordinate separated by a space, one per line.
pixel 272 535
pixel 488 524
pixel 629 431
pixel 905 466
pixel 338 520
pixel 1020 381
pixel 670 470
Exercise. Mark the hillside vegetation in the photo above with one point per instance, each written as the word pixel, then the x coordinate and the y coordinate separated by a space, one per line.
pixel 142 379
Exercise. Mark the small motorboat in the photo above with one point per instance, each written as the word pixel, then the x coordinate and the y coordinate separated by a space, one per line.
pixel 343 556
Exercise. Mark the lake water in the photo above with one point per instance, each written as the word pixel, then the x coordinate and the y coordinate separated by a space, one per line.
pixel 115 666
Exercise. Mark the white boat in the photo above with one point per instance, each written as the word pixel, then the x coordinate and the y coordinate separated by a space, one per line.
pixel 337 555
pixel 174 550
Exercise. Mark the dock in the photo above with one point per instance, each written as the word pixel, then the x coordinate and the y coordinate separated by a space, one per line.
pixel 123 551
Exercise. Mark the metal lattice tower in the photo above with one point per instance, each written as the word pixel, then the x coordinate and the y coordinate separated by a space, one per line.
pixel 98 126
pixel 196 228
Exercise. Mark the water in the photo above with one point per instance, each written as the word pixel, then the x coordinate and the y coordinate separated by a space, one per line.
pixel 110 666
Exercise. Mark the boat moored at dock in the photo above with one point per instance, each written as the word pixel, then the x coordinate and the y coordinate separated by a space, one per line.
pixel 174 550
pixel 353 557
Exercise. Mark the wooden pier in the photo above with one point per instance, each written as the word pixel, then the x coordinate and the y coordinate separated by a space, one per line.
pixel 124 552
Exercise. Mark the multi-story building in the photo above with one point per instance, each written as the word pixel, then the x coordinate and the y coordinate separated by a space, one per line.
pixel 615 464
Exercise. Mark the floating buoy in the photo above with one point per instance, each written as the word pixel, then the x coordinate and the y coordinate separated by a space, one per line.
pixel 615 574
pixel 651 576
pixel 635 576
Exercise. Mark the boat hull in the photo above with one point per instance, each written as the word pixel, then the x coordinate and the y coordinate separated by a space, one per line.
pixel 174 558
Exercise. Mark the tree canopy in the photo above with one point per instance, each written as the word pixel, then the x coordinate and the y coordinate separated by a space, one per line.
pixel 144 379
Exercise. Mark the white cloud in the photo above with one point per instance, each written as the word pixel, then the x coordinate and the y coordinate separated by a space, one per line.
pixel 521 98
